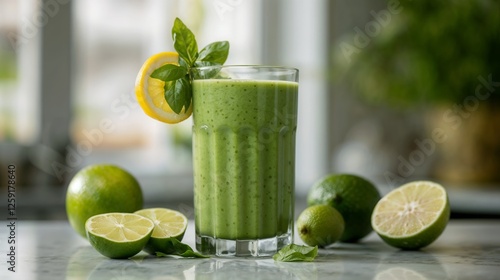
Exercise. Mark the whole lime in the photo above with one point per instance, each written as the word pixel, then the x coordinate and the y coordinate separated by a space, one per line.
pixel 353 196
pixel 99 189
pixel 320 225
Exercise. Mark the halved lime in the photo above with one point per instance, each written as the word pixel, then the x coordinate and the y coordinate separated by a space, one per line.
pixel 118 235
pixel 413 215
pixel 168 224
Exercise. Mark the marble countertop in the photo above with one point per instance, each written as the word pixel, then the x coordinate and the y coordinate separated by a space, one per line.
pixel 468 249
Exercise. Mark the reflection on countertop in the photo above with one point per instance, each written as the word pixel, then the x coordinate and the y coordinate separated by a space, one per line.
pixel 468 249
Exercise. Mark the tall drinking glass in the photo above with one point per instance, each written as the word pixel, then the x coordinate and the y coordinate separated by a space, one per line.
pixel 245 121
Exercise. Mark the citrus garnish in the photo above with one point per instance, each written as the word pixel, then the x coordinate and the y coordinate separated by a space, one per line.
pixel 168 224
pixel 320 225
pixel 98 189
pixel 163 85
pixel 413 215
pixel 353 196
pixel 150 92
pixel 118 235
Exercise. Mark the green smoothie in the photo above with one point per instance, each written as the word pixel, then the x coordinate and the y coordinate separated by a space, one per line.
pixel 244 157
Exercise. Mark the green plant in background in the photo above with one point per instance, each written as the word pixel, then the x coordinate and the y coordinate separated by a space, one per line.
pixel 8 65
pixel 433 51
pixel 8 76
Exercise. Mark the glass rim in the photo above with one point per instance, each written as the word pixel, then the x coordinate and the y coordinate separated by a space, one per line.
pixel 255 66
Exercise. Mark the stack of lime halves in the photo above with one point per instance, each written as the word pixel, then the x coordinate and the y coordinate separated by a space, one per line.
pixel 123 235
pixel 346 208
pixel 103 204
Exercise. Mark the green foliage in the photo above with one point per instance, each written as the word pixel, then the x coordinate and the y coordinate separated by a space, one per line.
pixel 433 51
pixel 296 253
pixel 8 66
pixel 178 90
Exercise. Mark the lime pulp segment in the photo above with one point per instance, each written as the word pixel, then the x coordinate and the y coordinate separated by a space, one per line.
pixel 168 223
pixel 119 227
pixel 410 209
pixel 413 215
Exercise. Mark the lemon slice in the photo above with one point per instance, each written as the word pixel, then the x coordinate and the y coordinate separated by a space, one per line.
pixel 118 235
pixel 168 224
pixel 150 92
pixel 412 216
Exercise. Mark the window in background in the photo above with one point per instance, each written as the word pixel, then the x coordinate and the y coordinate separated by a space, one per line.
pixel 19 86
pixel 67 97
pixel 18 42
pixel 111 41
pixel 8 68
pixel 296 34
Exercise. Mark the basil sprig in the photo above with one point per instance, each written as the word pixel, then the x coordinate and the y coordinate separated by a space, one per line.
pixel 178 90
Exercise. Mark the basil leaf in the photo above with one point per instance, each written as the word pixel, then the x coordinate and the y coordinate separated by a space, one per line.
pixel 188 91
pixel 175 94
pixel 169 72
pixel 296 253
pixel 185 251
pixel 184 42
pixel 177 78
pixel 180 249
pixel 183 63
pixel 199 63
pixel 215 52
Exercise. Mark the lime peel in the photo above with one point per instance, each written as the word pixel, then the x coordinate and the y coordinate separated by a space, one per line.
pixel 98 189
pixel 118 235
pixel 353 196
pixel 320 225
pixel 413 215
pixel 169 224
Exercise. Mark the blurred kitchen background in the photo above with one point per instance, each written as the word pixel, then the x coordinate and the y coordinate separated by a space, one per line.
pixel 394 91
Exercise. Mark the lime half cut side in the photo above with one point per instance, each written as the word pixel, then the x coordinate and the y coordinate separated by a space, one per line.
pixel 168 224
pixel 118 235
pixel 412 216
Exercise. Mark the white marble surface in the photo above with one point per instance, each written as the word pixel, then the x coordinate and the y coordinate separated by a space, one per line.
pixel 51 250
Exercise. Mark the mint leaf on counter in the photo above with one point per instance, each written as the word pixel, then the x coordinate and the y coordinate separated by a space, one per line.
pixel 178 90
pixel 296 253
pixel 180 249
